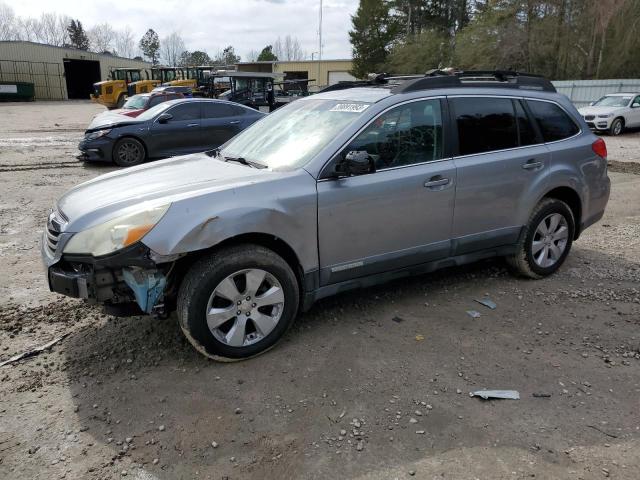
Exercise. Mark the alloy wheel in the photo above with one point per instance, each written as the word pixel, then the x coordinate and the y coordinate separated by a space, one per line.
pixel 129 152
pixel 245 307
pixel 550 240
pixel 617 128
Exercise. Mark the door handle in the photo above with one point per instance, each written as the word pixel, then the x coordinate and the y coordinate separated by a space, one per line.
pixel 192 125
pixel 532 164
pixel 436 181
pixel 234 122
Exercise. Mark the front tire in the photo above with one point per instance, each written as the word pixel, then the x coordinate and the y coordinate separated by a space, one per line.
pixel 617 127
pixel 237 302
pixel 128 152
pixel 546 240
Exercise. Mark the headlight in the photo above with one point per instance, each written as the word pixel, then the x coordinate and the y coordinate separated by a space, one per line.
pixel 606 116
pixel 97 134
pixel 115 234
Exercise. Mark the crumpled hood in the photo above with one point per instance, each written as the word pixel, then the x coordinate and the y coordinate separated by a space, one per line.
pixel 158 183
pixel 595 110
pixel 110 119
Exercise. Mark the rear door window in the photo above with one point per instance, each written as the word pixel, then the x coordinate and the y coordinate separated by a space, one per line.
pixel 554 122
pixel 218 110
pixel 526 133
pixel 484 124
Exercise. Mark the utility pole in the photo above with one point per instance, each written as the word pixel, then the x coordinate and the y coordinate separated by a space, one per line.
pixel 319 43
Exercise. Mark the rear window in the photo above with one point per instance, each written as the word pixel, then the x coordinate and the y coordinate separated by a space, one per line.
pixel 554 122
pixel 485 124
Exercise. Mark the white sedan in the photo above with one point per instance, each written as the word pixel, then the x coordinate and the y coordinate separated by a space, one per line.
pixel 613 113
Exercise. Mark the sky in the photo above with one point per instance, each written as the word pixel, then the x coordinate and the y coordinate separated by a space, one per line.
pixel 211 25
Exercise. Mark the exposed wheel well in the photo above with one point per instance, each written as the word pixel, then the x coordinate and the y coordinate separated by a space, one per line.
pixel 271 242
pixel 570 197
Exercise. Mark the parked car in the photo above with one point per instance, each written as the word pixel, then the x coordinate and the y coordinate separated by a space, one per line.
pixel 187 92
pixel 174 127
pixel 613 113
pixel 344 189
pixel 137 104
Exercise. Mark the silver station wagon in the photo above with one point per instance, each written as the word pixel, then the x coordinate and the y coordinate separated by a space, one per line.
pixel 360 184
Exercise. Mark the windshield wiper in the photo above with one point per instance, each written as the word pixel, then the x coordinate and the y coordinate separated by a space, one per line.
pixel 243 161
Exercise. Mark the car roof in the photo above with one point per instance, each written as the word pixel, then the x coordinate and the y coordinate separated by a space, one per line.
pixel 205 100
pixel 621 94
pixel 356 94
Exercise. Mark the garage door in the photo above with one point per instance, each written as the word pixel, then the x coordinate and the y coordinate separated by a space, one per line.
pixel 335 77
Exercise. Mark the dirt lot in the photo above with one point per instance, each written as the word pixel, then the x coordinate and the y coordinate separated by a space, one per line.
pixel 369 385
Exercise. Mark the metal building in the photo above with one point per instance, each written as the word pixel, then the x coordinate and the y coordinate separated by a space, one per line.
pixel 58 73
pixel 583 92
pixel 322 72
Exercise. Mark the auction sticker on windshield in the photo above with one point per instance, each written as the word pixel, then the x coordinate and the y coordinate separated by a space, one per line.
pixel 350 107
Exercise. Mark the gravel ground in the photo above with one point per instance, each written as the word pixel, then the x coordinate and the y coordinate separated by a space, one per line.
pixel 373 384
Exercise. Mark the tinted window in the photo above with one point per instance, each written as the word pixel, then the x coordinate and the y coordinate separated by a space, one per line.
pixel 218 110
pixel 636 100
pixel 408 134
pixel 526 132
pixel 554 123
pixel 157 100
pixel 186 111
pixel 485 124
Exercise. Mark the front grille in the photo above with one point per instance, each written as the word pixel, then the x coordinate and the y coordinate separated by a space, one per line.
pixel 589 117
pixel 53 230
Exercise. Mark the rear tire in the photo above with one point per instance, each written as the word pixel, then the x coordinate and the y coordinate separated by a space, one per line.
pixel 545 241
pixel 617 127
pixel 237 302
pixel 128 152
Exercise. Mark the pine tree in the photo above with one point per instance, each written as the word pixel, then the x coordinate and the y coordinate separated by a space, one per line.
pixel 77 36
pixel 373 32
pixel 267 55
pixel 150 45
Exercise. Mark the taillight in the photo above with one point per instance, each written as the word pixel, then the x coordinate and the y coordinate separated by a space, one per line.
pixel 600 148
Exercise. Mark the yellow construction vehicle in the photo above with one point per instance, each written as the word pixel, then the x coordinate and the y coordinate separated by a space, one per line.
pixel 122 82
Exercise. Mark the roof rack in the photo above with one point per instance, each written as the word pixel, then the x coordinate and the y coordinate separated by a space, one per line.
pixel 476 78
pixel 449 78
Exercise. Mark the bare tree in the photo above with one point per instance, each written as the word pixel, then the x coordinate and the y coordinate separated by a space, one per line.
pixel 125 43
pixel 52 29
pixel 7 22
pixel 101 37
pixel 171 48
pixel 289 49
pixel 252 56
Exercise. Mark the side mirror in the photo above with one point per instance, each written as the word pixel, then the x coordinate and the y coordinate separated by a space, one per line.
pixel 356 162
pixel 591 103
pixel 635 105
pixel 164 117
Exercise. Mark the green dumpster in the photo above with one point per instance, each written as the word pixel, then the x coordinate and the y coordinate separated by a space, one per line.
pixel 16 92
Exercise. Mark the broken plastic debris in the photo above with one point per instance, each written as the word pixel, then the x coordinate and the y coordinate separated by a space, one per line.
pixel 419 337
pixel 473 314
pixel 487 303
pixel 506 394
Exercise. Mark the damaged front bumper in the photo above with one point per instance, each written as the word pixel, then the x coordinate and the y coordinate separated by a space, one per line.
pixel 128 282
